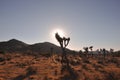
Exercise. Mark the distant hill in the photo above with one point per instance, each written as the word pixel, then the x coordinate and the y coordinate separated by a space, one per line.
pixel 14 45
pixel 45 47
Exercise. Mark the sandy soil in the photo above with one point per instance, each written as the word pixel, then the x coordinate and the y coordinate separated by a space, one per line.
pixel 18 66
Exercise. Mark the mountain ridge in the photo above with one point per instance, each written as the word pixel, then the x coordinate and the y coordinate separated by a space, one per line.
pixel 14 45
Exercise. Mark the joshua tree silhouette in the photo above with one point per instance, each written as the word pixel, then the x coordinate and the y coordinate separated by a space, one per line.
pixel 60 40
pixel 111 52
pixel 86 50
pixel 63 43
pixel 91 48
pixel 104 52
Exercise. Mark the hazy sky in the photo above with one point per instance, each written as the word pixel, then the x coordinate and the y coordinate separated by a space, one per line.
pixel 86 22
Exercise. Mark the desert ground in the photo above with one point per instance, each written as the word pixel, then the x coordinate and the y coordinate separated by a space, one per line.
pixel 18 66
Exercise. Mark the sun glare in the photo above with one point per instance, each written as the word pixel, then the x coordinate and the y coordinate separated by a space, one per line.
pixel 59 31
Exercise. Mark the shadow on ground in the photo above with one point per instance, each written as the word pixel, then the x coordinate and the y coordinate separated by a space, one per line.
pixel 69 73
pixel 30 71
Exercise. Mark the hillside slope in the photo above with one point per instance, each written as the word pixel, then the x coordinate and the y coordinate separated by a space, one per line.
pixel 14 45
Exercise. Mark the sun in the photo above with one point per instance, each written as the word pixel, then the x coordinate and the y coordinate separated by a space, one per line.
pixel 59 31
pixel 52 35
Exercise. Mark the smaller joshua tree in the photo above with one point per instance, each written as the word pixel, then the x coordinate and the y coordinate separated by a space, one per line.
pixel 111 52
pixel 86 50
pixel 104 52
pixel 91 48
pixel 63 43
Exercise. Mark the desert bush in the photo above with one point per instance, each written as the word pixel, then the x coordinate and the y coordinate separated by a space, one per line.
pixel 86 61
pixel 74 62
pixel 46 78
pixel 116 54
pixel 57 59
pixel 84 66
pixel 70 74
pixel 45 54
pixel 31 70
pixel 98 67
pixel 112 60
pixel 100 62
pixel 8 58
pixel 5 57
pixel 2 59
pixel 112 76
pixel 21 65
pixel 2 52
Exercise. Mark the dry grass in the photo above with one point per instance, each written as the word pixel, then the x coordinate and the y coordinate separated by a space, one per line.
pixel 17 66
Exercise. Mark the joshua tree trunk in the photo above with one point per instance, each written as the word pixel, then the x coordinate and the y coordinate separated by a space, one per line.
pixel 63 43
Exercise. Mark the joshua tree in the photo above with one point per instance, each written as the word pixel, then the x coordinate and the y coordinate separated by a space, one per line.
pixel 104 52
pixel 81 54
pixel 91 48
pixel 63 43
pixel 111 52
pixel 80 51
pixel 59 39
pixel 86 50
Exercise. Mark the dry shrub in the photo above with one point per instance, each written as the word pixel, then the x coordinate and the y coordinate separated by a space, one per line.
pixel 2 59
pixel 84 66
pixel 74 62
pixel 57 59
pixel 45 54
pixel 92 76
pixel 113 76
pixel 86 61
pixel 88 76
pixel 47 78
pixel 5 57
pixel 69 74
pixel 100 62
pixel 21 65
pixel 114 60
pixel 97 66
pixel 31 70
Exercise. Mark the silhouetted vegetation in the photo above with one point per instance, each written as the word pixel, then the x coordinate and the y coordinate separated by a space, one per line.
pixel 2 52
pixel 35 64
pixel 63 43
